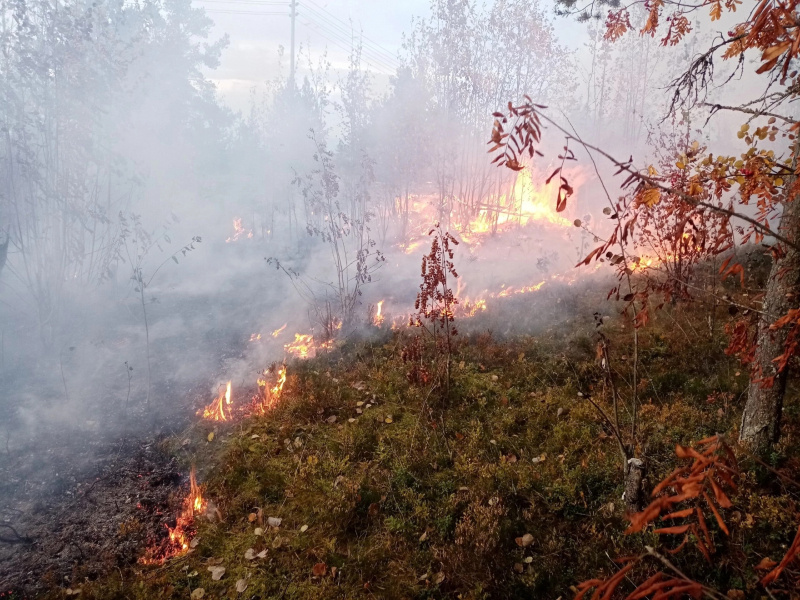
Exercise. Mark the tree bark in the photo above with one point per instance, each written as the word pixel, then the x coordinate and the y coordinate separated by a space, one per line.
pixel 762 413
pixel 635 492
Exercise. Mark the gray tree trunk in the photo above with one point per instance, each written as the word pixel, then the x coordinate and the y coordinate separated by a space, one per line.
pixel 762 414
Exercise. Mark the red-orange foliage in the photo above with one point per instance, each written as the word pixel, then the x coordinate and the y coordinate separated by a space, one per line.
pixel 713 470
pixel 701 484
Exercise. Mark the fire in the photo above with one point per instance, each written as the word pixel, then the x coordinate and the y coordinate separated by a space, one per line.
pixel 193 504
pixel 271 395
pixel 278 331
pixel 216 410
pixel 179 536
pixel 239 231
pixel 379 318
pixel 304 346
pixel 254 337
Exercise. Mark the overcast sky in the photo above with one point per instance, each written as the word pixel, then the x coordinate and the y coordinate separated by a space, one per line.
pixel 257 28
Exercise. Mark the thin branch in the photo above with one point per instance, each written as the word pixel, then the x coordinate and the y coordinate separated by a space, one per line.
pixel 750 111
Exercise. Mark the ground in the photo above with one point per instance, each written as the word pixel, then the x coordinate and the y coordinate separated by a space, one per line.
pixel 508 487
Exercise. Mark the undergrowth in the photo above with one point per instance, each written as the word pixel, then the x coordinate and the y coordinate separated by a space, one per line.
pixel 508 487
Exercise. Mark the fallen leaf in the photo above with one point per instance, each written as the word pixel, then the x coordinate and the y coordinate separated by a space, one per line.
pixel 211 436
pixel 258 531
pixel 331 419
pixel 274 521
pixel 319 569
pixel 524 541
pixel 241 585
pixel 276 543
pixel 519 567
pixel 440 577
pixel 194 542
pixel 197 593
pixel 423 537
pixel 766 564
pixel 388 420
pixel 262 554
pixel 250 554
pixel 304 528
pixel 252 517
pixel 217 572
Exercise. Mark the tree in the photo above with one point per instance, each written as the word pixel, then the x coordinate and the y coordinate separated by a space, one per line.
pixel 732 199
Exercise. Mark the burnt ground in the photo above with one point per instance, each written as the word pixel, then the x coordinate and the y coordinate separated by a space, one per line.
pixel 79 505
pixel 93 484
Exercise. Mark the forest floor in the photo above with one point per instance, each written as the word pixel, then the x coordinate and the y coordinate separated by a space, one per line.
pixel 369 481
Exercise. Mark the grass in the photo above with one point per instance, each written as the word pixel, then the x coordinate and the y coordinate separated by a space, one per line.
pixel 388 490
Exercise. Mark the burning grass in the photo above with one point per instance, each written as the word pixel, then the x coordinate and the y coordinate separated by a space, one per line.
pixel 359 483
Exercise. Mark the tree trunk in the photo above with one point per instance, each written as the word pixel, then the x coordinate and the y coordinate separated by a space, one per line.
pixel 635 493
pixel 762 413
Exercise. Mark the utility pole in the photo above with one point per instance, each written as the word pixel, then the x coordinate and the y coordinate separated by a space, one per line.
pixel 291 64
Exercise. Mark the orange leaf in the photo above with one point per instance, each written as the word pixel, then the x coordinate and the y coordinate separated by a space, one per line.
pixel 673 530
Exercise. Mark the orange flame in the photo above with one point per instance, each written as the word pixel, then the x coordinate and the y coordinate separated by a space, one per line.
pixel 179 536
pixel 239 231
pixel 304 346
pixel 278 331
pixel 216 410
pixel 270 396
pixel 379 318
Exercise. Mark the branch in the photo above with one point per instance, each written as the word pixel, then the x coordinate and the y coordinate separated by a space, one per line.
pixel 750 111
pixel 764 229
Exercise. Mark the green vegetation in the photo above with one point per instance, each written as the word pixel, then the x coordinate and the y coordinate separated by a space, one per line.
pixel 508 488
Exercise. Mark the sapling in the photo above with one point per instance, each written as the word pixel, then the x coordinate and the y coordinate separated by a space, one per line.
pixel 144 243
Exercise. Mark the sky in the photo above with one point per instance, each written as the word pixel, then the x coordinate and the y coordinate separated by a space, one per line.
pixel 258 28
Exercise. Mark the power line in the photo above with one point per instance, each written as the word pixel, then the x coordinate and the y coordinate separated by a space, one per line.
pixel 349 49
pixel 368 56
pixel 343 29
pixel 335 18
pixel 244 12
pixel 253 2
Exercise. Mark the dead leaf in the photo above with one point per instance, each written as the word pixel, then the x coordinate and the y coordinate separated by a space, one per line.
pixel 423 537
pixel 258 531
pixel 250 554
pixel 241 585
pixel 262 554
pixel 274 521
pixel 211 436
pixel 276 543
pixel 524 541
pixel 319 569
pixel 766 564
pixel 252 517
pixel 217 572
pixel 197 593
pixel 194 542
pixel 518 567
pixel 440 577
pixel 304 528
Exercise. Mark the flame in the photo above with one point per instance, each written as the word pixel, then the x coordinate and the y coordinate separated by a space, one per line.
pixel 239 231
pixel 180 535
pixel 379 318
pixel 271 395
pixel 216 410
pixel 278 331
pixel 254 337
pixel 304 346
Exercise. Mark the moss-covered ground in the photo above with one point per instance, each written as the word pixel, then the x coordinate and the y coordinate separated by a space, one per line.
pixel 386 487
